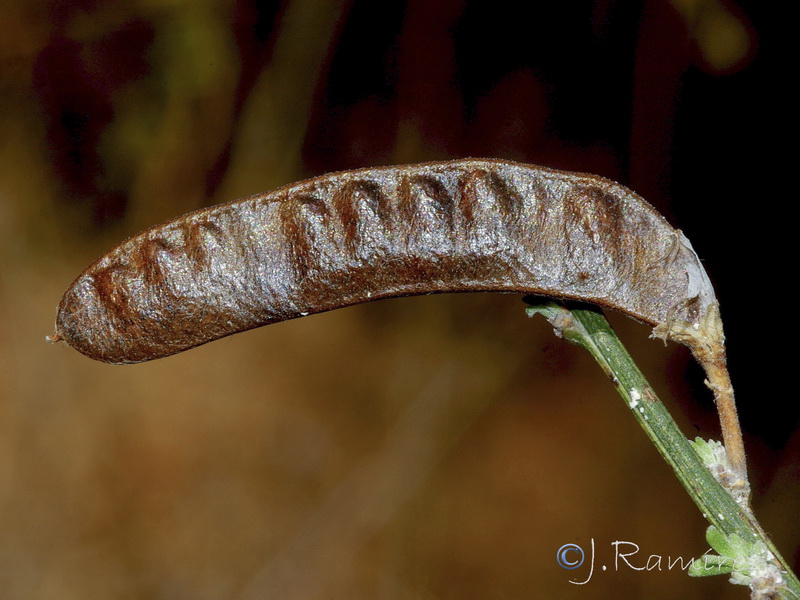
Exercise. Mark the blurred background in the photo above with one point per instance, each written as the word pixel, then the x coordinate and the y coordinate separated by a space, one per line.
pixel 437 447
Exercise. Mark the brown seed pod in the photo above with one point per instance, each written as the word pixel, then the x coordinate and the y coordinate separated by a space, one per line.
pixel 355 236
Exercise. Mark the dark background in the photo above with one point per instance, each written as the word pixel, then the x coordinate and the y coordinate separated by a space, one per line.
pixel 439 447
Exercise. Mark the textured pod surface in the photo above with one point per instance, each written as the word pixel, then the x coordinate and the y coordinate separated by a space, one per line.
pixel 355 236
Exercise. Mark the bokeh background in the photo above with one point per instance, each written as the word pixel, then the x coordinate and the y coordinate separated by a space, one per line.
pixel 433 448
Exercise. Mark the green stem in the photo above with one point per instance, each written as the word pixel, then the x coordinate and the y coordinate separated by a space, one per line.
pixel 588 327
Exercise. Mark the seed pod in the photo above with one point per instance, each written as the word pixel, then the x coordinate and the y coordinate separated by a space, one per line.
pixel 355 236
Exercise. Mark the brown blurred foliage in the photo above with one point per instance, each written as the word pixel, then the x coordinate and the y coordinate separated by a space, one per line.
pixel 439 447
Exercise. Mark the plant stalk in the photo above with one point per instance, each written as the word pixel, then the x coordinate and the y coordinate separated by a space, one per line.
pixel 587 327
